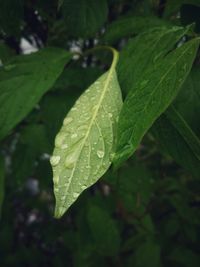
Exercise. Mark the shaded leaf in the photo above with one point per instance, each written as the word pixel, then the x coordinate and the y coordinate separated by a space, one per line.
pixel 24 80
pixel 175 145
pixel 104 231
pixel 84 145
pixel 84 18
pixel 2 177
pixel 32 143
pixel 159 41
pixel 183 128
pixel 152 94
pixel 129 26
pixel 187 102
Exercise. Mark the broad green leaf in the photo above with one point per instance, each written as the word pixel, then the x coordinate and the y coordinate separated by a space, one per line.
pixel 174 143
pixel 2 175
pixel 85 143
pixel 151 95
pixel 183 128
pixel 84 18
pixel 24 80
pixel 129 26
pixel 187 102
pixel 144 51
pixel 104 231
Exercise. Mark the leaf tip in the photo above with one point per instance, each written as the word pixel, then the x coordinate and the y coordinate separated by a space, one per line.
pixel 59 212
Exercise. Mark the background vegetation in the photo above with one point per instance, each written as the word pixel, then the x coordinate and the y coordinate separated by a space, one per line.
pixel 145 214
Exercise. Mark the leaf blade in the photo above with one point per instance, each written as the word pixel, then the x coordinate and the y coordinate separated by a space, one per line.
pixel 88 142
pixel 142 107
pixel 23 81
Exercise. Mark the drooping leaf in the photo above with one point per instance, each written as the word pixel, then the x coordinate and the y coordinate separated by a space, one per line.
pixel 184 129
pixel 174 143
pixel 129 26
pixel 187 102
pixel 151 95
pixel 84 145
pixel 84 18
pixel 135 58
pixel 23 81
pixel 2 176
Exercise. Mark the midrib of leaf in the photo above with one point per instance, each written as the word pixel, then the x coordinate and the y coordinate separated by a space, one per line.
pixel 161 80
pixel 93 120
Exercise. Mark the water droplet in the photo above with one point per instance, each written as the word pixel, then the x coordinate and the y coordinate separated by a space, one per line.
pixel 70 161
pixel 55 160
pixel 56 190
pixel 64 146
pixel 67 120
pixel 56 179
pixel 100 154
pixel 74 135
pixel 59 140
pixel 83 187
pixel 110 115
pixel 75 195
pixel 62 198
pixel 74 109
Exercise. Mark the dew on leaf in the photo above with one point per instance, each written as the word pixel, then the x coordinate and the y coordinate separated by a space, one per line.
pixel 55 160
pixel 100 153
pixel 67 120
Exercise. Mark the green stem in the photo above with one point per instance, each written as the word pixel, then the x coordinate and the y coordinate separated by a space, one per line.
pixel 113 50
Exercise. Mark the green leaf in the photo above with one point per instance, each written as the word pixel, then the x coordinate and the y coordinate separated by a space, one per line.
pixel 128 26
pixel 152 94
pixel 24 80
pixel 104 231
pixel 174 143
pixel 2 176
pixel 85 143
pixel 148 252
pixel 188 100
pixel 32 143
pixel 159 41
pixel 84 18
pixel 184 129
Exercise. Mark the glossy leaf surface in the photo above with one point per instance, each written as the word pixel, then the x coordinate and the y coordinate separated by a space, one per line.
pixel 151 96
pixel 84 145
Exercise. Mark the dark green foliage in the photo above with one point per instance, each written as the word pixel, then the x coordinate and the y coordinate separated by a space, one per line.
pixel 145 212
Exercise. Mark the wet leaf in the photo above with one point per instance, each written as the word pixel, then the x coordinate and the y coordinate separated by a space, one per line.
pixel 85 143
pixel 151 96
